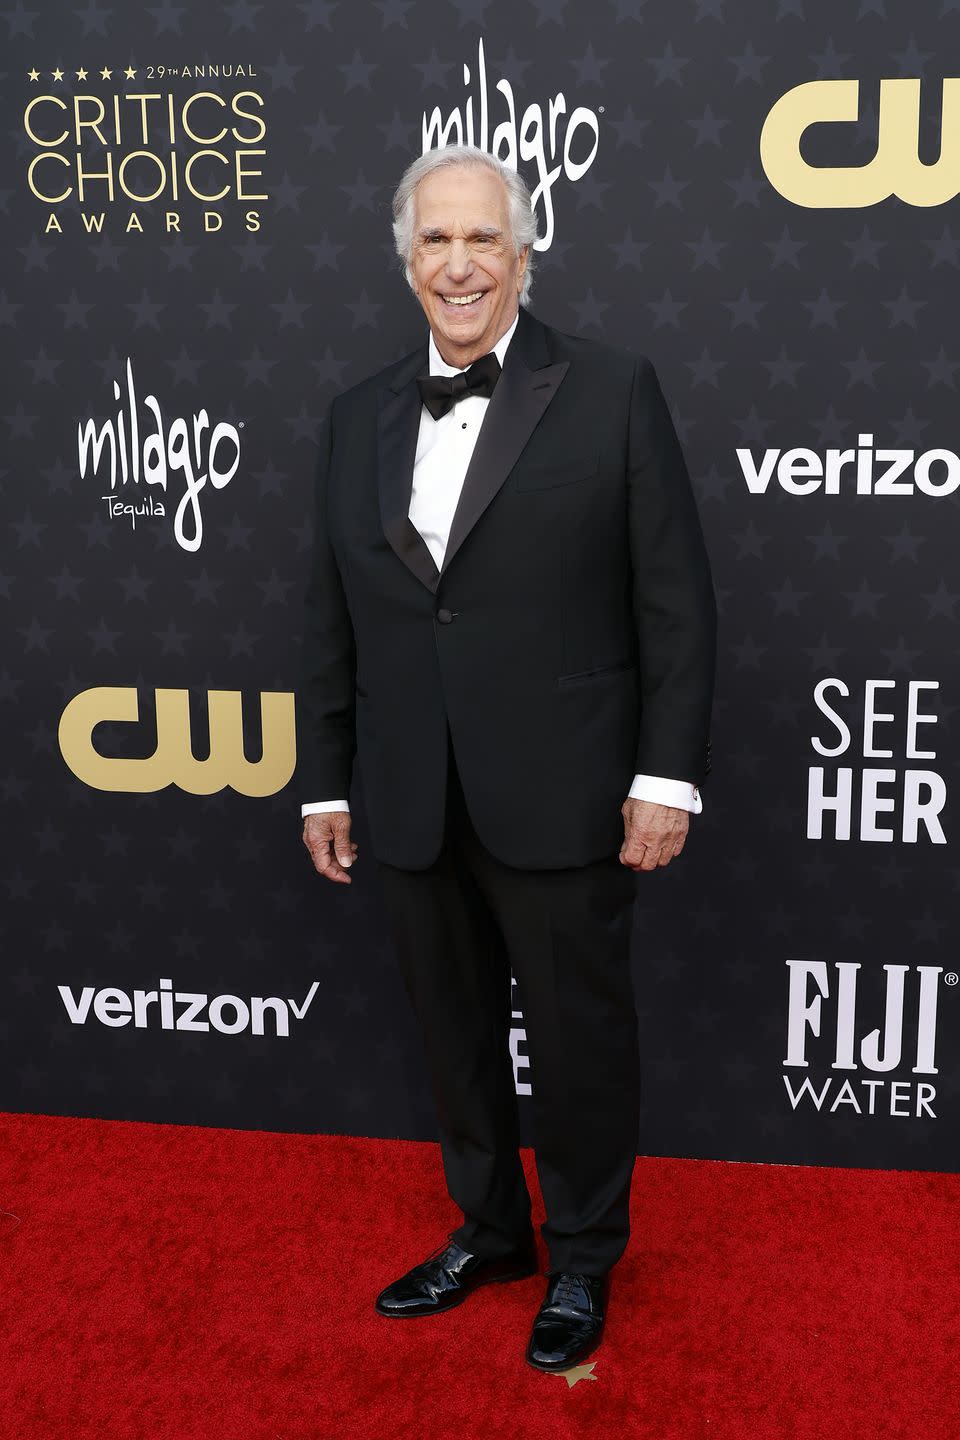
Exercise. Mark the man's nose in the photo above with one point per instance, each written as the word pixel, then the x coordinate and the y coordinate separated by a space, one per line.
pixel 459 259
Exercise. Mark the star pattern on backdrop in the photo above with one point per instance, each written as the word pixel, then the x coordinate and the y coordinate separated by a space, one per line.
pixel 771 327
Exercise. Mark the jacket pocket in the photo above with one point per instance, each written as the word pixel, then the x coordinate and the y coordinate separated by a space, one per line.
pixel 597 672
pixel 565 472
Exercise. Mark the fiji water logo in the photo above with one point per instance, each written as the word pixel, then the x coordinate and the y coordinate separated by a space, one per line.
pixel 826 1032
pixel 556 139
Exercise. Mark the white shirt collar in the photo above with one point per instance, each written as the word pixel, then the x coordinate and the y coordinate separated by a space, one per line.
pixel 439 366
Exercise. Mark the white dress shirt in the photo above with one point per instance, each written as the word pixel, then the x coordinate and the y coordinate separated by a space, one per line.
pixel 444 450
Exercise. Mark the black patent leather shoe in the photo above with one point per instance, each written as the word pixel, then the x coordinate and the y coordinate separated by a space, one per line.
pixel 448 1276
pixel 569 1323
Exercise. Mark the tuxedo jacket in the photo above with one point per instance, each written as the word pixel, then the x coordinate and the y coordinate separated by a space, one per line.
pixel 568 639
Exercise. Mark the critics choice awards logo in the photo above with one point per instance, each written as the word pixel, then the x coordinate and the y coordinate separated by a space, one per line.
pixel 167 148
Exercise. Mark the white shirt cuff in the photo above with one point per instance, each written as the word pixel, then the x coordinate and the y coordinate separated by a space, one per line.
pixel 678 793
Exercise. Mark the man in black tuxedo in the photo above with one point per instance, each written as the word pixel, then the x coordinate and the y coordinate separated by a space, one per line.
pixel 510 623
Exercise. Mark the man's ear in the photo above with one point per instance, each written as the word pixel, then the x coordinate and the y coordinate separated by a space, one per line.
pixel 522 266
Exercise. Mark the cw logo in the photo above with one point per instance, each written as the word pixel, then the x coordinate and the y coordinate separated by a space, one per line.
pixel 896 168
pixel 173 761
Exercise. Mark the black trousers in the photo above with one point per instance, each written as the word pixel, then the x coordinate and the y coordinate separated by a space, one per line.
pixel 459 928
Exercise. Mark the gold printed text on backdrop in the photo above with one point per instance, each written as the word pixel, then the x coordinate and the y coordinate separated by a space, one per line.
pixel 896 167
pixel 173 761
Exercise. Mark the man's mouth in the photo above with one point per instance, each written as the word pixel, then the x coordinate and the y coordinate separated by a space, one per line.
pixel 463 302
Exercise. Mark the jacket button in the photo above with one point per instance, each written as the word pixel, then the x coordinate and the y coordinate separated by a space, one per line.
pixel 444 616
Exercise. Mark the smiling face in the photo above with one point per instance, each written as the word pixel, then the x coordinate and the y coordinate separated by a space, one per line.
pixel 465 269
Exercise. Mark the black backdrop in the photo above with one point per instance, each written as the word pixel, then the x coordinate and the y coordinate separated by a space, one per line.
pixel 799 298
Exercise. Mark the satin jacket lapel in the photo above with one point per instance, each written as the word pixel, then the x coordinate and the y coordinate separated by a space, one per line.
pixel 523 392
pixel 398 428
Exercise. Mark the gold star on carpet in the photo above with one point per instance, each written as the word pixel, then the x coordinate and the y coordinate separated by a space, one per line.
pixel 130 73
pixel 33 74
pixel 579 1372
pixel 57 74
pixel 81 73
pixel 105 73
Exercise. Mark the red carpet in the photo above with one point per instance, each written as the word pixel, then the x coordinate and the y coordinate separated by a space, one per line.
pixel 175 1283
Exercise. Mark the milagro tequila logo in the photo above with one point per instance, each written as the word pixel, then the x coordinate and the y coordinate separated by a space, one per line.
pixel 556 140
pixel 143 457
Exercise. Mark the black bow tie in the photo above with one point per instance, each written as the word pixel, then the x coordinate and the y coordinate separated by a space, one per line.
pixel 441 392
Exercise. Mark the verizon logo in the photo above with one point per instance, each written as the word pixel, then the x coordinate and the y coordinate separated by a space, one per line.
pixel 169 1009
pixel 859 470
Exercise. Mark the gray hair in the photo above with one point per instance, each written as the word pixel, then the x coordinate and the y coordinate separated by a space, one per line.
pixel 523 221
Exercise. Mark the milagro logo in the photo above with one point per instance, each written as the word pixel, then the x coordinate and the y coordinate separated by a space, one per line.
pixel 140 456
pixel 555 140
pixel 824 1006
pixel 169 1009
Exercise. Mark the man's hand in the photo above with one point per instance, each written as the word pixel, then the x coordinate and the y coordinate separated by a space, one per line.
pixel 652 834
pixel 327 837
